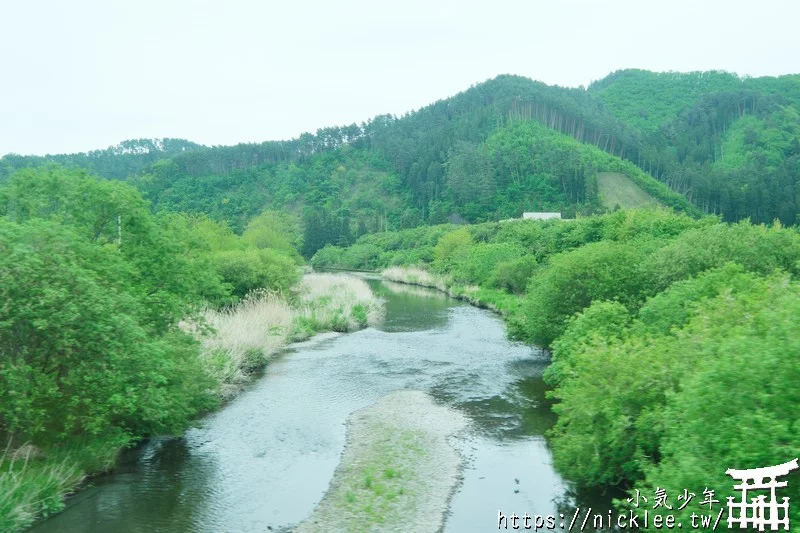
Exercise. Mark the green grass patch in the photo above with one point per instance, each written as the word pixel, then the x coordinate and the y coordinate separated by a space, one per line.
pixel 33 484
pixel 383 481
pixel 616 190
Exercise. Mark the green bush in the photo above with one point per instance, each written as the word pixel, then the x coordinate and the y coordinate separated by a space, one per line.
pixel 601 321
pixel 601 436
pixel 82 356
pixel 676 305
pixel 573 280
pixel 452 247
pixel 513 275
pixel 247 270
pixel 276 231
pixel 736 402
pixel 329 256
pixel 636 398
pixel 169 272
pixel 477 264
pixel 361 257
pixel 759 249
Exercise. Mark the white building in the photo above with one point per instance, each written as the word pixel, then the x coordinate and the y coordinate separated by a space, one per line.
pixel 540 216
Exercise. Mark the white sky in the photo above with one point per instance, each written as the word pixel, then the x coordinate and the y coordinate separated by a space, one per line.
pixel 86 74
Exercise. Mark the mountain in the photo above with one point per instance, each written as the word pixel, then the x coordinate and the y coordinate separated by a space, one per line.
pixel 729 144
pixel 699 142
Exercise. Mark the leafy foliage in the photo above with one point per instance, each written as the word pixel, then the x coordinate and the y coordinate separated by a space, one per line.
pixel 95 295
pixel 247 270
pixel 661 327
pixel 573 280
pixel 81 353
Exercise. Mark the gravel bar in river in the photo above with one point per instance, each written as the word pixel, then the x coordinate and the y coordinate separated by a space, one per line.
pixel 398 470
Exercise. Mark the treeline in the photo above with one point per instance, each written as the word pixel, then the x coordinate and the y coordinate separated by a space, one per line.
pixel 730 145
pixel 674 343
pixel 337 195
pixel 345 193
pixel 126 159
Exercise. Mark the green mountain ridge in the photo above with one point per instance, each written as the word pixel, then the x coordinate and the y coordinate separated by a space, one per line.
pixel 699 142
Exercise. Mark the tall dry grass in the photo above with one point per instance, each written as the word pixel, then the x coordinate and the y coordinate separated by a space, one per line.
pixel 242 338
pixel 416 276
pixel 335 302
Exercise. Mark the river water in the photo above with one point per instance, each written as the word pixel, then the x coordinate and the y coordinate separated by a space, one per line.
pixel 264 461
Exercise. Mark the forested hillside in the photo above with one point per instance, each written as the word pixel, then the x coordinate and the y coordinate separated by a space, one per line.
pixel 698 142
pixel 729 144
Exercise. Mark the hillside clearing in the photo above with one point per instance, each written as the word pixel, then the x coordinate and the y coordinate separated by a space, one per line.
pixel 615 189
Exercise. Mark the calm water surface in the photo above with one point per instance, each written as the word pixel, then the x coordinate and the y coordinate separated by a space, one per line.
pixel 264 461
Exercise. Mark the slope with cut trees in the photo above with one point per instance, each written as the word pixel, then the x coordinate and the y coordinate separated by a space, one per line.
pixel 729 145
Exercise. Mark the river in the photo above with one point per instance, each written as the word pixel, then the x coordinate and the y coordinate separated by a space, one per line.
pixel 265 460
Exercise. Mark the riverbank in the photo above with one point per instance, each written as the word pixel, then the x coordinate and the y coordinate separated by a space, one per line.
pixel 398 470
pixel 622 299
pixel 247 336
pixel 497 301
pixel 237 343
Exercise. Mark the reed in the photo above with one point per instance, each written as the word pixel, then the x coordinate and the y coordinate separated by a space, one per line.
pixel 239 340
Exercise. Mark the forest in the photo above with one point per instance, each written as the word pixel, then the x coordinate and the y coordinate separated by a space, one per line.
pixel 701 142
pixel 652 319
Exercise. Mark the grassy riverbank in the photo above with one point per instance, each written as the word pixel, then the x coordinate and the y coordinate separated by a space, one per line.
pixel 496 300
pixel 237 342
pixel 661 327
pixel 246 335
pixel 118 324
pixel 398 469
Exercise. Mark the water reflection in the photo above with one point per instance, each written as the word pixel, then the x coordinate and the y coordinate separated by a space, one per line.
pixel 412 308
pixel 162 479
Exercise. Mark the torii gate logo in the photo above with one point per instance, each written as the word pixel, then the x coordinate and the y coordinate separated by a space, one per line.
pixel 759 512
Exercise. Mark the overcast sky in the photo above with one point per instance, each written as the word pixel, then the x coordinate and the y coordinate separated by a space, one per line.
pixel 87 74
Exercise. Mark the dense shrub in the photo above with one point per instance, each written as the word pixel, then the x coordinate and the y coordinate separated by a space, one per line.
pixel 80 356
pixel 329 256
pixel 477 265
pixel 513 275
pixel 600 322
pixel 452 248
pixel 625 387
pixel 276 231
pixel 757 248
pixel 736 404
pixel 573 280
pixel 247 270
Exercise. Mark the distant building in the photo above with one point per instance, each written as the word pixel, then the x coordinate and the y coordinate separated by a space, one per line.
pixel 540 216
